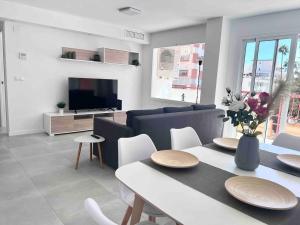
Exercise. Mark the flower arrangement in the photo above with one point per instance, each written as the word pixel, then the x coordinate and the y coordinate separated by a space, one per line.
pixel 248 111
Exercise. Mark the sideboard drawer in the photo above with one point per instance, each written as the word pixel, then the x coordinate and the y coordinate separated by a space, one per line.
pixel 83 124
pixel 62 124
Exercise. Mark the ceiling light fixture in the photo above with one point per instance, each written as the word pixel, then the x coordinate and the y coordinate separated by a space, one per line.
pixel 129 11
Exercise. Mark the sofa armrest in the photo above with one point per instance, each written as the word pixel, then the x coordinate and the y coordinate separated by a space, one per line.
pixel 111 131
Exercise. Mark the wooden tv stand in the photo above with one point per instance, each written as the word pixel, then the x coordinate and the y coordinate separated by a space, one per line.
pixel 55 123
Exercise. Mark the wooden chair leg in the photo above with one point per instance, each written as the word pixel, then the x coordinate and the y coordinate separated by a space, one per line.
pixel 137 210
pixel 152 219
pixel 91 151
pixel 127 216
pixel 100 154
pixel 78 155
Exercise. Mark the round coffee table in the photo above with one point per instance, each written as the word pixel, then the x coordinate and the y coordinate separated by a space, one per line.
pixel 90 140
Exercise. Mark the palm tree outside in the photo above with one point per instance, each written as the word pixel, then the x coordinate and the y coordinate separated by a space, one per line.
pixel 283 51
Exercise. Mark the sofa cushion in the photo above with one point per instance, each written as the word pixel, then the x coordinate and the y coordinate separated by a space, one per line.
pixel 133 113
pixel 201 107
pixel 207 123
pixel 178 109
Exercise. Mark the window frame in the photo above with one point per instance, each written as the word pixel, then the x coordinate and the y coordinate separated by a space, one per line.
pixel 257 40
pixel 293 49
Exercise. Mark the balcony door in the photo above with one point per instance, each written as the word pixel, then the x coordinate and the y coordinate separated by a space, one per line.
pixel 266 63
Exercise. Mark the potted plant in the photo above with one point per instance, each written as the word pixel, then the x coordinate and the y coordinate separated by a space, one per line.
pixel 61 106
pixel 248 112
pixel 135 62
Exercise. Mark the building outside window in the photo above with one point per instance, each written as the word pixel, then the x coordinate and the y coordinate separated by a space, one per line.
pixel 175 72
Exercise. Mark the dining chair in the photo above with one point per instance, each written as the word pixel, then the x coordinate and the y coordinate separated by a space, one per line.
pixel 131 150
pixel 98 216
pixel 287 141
pixel 184 138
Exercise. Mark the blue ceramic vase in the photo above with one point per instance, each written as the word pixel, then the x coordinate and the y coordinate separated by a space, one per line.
pixel 247 153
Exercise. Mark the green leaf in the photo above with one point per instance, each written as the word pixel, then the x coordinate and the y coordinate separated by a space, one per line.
pixel 225 119
pixel 253 125
pixel 231 113
pixel 248 118
pixel 236 123
pixel 257 133
pixel 245 113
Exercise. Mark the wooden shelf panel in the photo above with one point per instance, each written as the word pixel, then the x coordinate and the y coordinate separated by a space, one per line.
pixel 61 124
pixel 120 117
pixel 83 124
pixel 116 56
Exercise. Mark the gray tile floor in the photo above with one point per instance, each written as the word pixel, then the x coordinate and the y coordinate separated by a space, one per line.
pixel 39 185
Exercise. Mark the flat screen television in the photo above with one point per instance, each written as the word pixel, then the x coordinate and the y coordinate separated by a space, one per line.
pixel 87 93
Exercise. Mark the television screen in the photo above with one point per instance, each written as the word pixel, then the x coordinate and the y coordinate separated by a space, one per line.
pixel 86 93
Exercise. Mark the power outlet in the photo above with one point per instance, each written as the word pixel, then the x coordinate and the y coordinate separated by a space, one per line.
pixel 22 56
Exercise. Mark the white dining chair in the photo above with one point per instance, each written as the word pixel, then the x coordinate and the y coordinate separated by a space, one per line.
pixel 98 216
pixel 131 150
pixel 184 138
pixel 287 141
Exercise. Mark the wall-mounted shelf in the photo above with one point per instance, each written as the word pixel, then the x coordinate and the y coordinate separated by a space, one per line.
pixel 79 60
pixel 107 56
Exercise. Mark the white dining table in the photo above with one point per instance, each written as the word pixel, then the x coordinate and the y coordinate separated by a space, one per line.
pixel 188 206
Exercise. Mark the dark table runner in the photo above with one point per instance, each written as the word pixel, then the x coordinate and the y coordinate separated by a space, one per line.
pixel 210 180
pixel 267 159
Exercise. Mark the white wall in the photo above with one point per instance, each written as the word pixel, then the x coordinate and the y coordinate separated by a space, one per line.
pixel 24 13
pixel 224 54
pixel 46 77
pixel 187 35
pixel 215 60
pixel 2 90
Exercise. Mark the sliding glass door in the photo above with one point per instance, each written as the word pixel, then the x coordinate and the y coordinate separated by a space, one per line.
pixel 266 63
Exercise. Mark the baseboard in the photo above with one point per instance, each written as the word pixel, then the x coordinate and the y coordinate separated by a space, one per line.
pixel 23 132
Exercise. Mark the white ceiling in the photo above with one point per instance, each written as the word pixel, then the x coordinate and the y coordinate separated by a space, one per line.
pixel 162 14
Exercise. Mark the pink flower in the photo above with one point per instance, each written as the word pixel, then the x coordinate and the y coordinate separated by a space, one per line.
pixel 252 102
pixel 262 112
pixel 264 98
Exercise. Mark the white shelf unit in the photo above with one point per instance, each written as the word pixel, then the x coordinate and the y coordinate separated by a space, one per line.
pixel 107 56
pixel 55 123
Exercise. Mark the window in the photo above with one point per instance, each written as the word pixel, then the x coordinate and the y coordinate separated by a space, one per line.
pixel 266 63
pixel 248 66
pixel 175 72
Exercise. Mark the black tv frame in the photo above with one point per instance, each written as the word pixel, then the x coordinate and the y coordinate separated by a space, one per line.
pixel 104 106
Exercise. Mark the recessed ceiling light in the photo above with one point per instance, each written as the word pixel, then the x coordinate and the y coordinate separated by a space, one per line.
pixel 129 11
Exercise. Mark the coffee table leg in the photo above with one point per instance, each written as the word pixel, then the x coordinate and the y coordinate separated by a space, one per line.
pixel 100 154
pixel 91 151
pixel 137 210
pixel 78 156
pixel 127 216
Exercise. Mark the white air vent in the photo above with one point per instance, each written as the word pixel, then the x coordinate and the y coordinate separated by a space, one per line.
pixel 135 35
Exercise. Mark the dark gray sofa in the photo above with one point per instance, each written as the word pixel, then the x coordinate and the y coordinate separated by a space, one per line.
pixel 206 122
